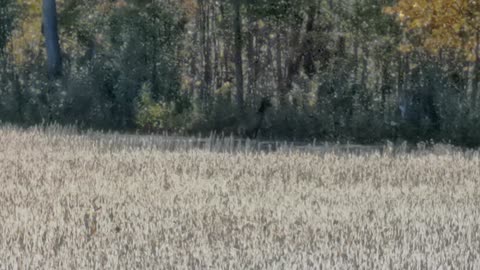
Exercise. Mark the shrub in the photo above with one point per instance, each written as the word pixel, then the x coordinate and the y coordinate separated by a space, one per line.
pixel 158 116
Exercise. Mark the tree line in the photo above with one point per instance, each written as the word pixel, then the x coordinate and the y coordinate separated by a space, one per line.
pixel 347 70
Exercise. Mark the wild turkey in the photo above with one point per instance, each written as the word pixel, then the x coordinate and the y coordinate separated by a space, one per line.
pixel 252 131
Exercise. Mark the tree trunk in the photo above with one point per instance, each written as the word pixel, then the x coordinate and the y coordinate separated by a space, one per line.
pixel 19 96
pixel 293 62
pixel 217 77
pixel 208 53
pixel 193 66
pixel 278 61
pixel 476 75
pixel 227 77
pixel 355 60
pixel 269 59
pixel 202 32
pixel 400 75
pixel 50 31
pixel 386 87
pixel 237 28
pixel 251 63
pixel 205 44
pixel 365 99
pixel 364 77
pixel 309 43
pixel 298 51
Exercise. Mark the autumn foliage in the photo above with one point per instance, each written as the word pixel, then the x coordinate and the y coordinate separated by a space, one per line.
pixel 441 23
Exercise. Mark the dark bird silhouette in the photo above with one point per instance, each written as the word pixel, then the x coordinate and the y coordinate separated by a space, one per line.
pixel 252 132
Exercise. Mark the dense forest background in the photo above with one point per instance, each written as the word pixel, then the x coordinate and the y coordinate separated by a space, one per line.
pixel 346 70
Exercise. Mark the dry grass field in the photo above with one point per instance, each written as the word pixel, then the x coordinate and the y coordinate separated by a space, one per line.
pixel 93 201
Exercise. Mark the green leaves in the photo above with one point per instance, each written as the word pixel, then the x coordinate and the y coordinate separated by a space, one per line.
pixel 277 10
pixel 8 12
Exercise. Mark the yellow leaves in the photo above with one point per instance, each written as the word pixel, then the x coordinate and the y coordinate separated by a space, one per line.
pixel 261 24
pixel 186 81
pixel 405 48
pixel 417 23
pixel 190 7
pixel 121 4
pixel 25 43
pixel 389 10
pixel 457 27
pixel 225 90
pixel 471 57
pixel 31 6
pixel 442 23
pixel 394 11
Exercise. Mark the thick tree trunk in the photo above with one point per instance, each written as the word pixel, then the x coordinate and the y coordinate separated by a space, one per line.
pixel 237 28
pixel 50 31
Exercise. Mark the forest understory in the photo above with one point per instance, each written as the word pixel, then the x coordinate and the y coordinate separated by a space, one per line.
pixel 363 71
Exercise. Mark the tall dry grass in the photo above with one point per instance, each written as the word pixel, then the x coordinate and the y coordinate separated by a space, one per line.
pixel 93 201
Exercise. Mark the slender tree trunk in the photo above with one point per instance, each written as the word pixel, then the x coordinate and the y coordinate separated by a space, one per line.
pixel 406 73
pixel 217 77
pixel 355 60
pixel 50 31
pixel 193 66
pixel 152 60
pixel 203 32
pixel 400 75
pixel 237 28
pixel 308 61
pixel 269 60
pixel 278 61
pixel 155 86
pixel 386 86
pixel 465 76
pixel 476 75
pixel 207 49
pixel 251 63
pixel 293 62
pixel 227 76
pixel 226 47
pixel 19 96
pixel 259 66
pixel 364 77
